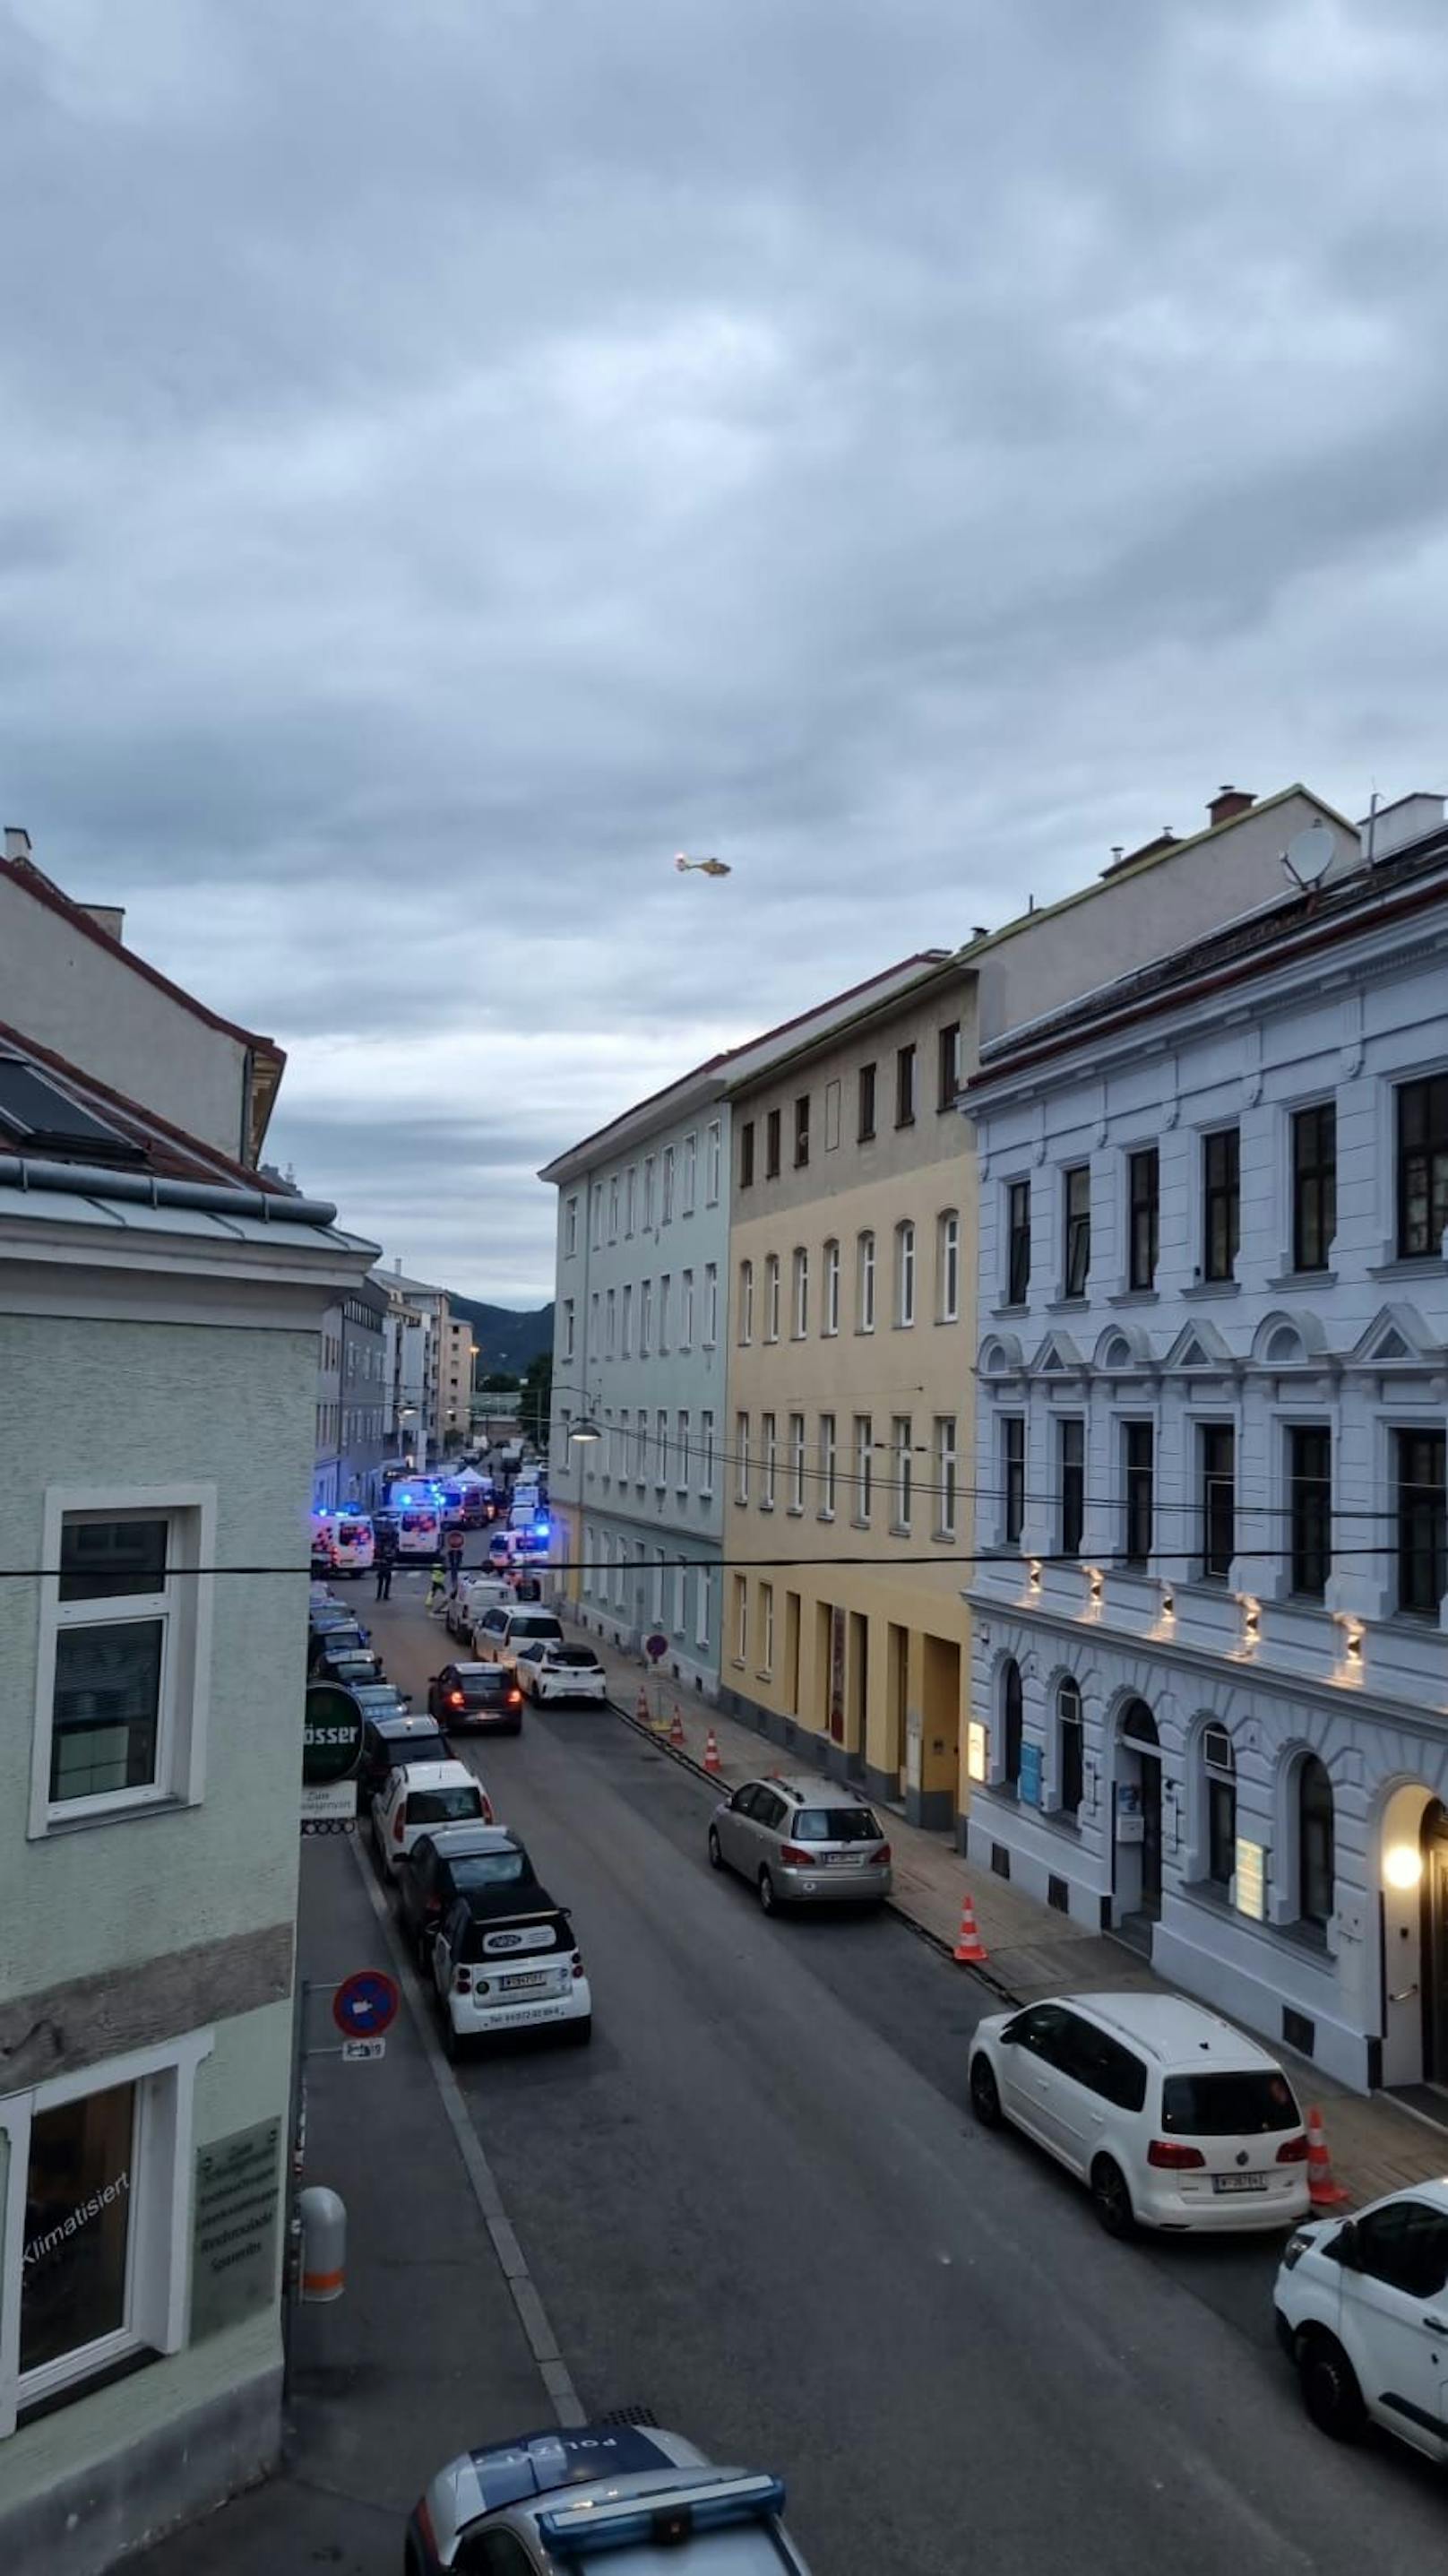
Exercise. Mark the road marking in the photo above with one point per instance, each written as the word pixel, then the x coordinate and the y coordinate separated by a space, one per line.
pixel 512 2263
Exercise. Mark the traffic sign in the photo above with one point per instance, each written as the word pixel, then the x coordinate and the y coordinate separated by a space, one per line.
pixel 365 2005
pixel 656 1645
pixel 331 1734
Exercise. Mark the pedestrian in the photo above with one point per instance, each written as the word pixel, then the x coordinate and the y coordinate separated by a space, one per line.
pixel 454 1541
pixel 437 1588
pixel 384 1561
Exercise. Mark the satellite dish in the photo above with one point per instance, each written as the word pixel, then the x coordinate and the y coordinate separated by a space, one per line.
pixel 1309 855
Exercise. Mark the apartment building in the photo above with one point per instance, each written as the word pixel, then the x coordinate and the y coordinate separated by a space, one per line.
pixel 1210 1680
pixel 847 1517
pixel 352 1436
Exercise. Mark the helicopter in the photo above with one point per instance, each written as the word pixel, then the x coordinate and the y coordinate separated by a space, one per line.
pixel 708 867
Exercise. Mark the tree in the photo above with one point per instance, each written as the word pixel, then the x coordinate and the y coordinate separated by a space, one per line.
pixel 537 1403
pixel 498 1382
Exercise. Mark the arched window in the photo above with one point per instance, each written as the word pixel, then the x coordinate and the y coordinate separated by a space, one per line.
pixel 1069 1746
pixel 1219 1766
pixel 1011 1725
pixel 1315 1864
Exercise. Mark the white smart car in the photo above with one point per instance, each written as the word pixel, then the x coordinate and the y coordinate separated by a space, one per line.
pixel 501 1966
pixel 1173 2118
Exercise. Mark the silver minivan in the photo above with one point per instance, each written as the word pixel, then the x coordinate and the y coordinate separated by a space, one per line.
pixel 802 1841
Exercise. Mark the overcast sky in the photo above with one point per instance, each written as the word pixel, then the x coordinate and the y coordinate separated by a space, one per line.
pixel 454 453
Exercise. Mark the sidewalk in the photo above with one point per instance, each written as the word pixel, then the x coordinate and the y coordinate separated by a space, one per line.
pixel 1376 2147
pixel 424 2353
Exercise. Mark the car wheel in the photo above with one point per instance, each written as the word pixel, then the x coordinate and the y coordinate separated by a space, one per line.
pixel 1112 2198
pixel 1330 2391
pixel 767 1897
pixel 985 2100
pixel 716 1849
pixel 579 2033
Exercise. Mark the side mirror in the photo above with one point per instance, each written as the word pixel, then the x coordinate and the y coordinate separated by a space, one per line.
pixel 1344 2248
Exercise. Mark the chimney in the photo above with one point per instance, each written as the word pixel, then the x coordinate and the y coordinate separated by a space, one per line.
pixel 106 916
pixel 17 842
pixel 1165 840
pixel 1228 803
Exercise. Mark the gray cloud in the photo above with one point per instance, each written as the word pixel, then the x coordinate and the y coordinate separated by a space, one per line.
pixel 451 459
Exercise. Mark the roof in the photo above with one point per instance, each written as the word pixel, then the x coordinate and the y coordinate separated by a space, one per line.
pixel 1177 2033
pixel 33 881
pixel 141 1140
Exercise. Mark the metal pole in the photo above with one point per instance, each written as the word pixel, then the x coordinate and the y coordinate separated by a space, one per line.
pixel 296 2153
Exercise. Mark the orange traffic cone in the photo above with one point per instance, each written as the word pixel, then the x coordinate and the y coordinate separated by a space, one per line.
pixel 642 1710
pixel 1322 2190
pixel 676 1731
pixel 970 1948
pixel 711 1752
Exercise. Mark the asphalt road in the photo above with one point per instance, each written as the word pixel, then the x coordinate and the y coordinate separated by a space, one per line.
pixel 759 2205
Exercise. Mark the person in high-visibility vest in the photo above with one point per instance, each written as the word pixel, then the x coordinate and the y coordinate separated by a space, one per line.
pixel 437 1589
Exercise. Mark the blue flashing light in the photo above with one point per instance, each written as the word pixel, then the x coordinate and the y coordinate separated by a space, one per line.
pixel 587 2530
pixel 540 1529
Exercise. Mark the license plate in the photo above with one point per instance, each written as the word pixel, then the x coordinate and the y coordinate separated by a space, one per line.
pixel 514 1984
pixel 1239 2182
pixel 846 1860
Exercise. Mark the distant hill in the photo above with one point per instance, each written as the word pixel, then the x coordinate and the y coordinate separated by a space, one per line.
pixel 505 1338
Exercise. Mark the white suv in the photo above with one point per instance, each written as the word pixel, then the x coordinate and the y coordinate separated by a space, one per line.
pixel 499 1633
pixel 1362 2308
pixel 1172 2117
pixel 414 1800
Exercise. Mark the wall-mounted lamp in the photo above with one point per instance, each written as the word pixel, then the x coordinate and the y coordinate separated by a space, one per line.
pixel 1402 1866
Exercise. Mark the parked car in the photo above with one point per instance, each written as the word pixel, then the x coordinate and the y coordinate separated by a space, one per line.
pixel 481 1698
pixel 1362 2309
pixel 326 1631
pixel 419 1796
pixel 646 2492
pixel 460 1860
pixel 342 1658
pixel 381 1699
pixel 804 1841
pixel 548 1671
pixel 475 1594
pixel 507 1960
pixel 1173 2118
pixel 388 1742
pixel 501 1633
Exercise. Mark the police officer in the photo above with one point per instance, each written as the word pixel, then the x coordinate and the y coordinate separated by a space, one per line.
pixel 384 1560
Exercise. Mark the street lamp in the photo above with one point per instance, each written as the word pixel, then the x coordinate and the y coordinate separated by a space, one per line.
pixel 585 1430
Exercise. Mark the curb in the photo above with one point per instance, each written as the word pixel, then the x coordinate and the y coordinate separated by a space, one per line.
pixel 932 1940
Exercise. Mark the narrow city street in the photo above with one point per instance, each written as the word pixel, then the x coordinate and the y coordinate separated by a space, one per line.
pixel 760 2206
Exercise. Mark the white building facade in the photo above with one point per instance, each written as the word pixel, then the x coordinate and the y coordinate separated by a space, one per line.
pixel 1210 1666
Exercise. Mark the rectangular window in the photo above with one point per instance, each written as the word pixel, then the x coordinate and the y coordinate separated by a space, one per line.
pixel 706 1456
pixel 570 1228
pixel 796 1462
pixel 905 1274
pixel 630 1198
pixel 1422 1167
pixel 827 1467
pixel 801 1293
pixel 741 1457
pixel 711 1304
pixel 1071 1469
pixel 713 1163
pixel 746 1304
pixel 646 1318
pixel 610 1324
pixel 665 1284
pixel 686 1310
pixel 626 1324
pixel 902 1467
pixel 1219 1498
pixel 656 1604
pixel 681 1598
pixel 769 1447
pixel 595 1202
pixel 1139 1456
pixel 124 1643
pixel 905 1086
pixel 766 1628
pixel 947 1266
pixel 1309 1464
pixel 681 1462
pixel 1422 1480
pixel 1013 1476
pixel 1076 1185
pixel 832 1116
pixel 946 1475
pixel 801 1131
pixel 746 1155
pixel 648 1192
pixel 568 1328
pixel 690 1176
pixel 1314 1185
pixel 1072 1765
pixel 1018 1242
pixel 1221 1203
pixel 1143 1185
pixel 948 1046
pixel 831 1319
pixel 865 1299
pixel 613 1207
pixel 666 1189
pixel 702 1605
pixel 864 1466
pixel 661 1447
pixel 771 1297
pixel 865 1098
pixel 771 1145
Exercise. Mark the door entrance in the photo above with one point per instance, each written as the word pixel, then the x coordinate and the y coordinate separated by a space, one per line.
pixel 1137 1851
pixel 1435 1944
pixel 1150 1767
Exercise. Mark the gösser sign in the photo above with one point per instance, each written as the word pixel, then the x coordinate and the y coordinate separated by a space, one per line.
pixel 331 1735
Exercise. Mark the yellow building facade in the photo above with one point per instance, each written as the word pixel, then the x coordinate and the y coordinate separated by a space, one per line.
pixel 849 1422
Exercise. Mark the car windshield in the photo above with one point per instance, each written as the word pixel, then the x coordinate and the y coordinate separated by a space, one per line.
pixel 443 1806
pixel 1241 2104
pixel 489 1869
pixel 351 1531
pixel 581 1657
pixel 550 1934
pixel 477 1687
pixel 536 1623
pixel 426 1745
pixel 834 1825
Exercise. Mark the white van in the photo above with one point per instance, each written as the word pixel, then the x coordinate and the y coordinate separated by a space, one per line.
pixel 343 1541
pixel 419 1531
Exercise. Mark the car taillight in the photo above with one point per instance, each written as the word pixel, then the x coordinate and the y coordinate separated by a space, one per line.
pixel 577 1963
pixel 879 1858
pixel 462 1981
pixel 423 2520
pixel 433 1905
pixel 398 1827
pixel 1172 2157
pixel 515 1699
pixel 1296 2247
pixel 796 1856
pixel 454 1699
pixel 488 1816
pixel 1293 2151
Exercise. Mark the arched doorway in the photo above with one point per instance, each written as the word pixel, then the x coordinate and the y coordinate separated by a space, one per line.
pixel 1138 1824
pixel 1433 1845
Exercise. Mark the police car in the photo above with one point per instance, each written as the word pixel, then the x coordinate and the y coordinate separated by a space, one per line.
pixel 549 2504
